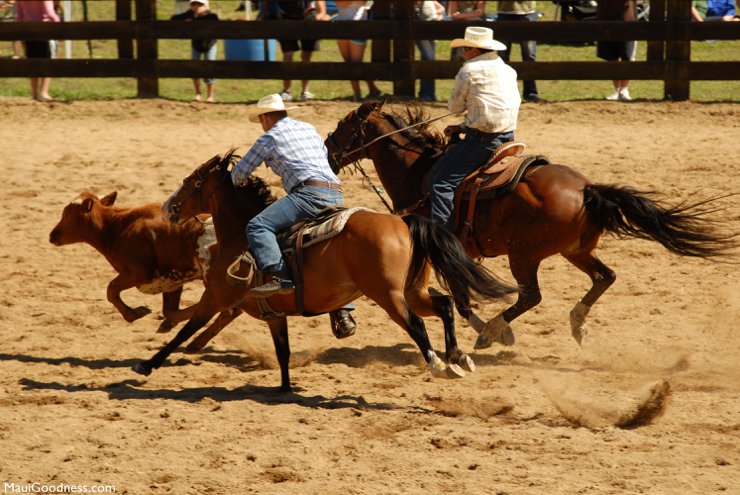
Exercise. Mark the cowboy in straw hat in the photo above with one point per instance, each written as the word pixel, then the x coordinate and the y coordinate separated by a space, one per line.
pixel 296 153
pixel 486 89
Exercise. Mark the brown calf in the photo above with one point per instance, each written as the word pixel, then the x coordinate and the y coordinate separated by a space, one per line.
pixel 151 254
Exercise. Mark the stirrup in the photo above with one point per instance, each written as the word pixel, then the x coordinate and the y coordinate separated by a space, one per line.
pixel 273 287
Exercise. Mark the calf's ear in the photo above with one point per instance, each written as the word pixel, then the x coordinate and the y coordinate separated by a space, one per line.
pixel 87 204
pixel 109 199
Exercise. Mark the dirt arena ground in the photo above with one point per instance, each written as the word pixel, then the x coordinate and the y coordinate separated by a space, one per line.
pixel 366 417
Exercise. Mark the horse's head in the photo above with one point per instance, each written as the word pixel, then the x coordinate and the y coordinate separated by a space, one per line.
pixel 191 198
pixel 344 142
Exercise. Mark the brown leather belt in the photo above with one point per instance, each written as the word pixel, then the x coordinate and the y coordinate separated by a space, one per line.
pixel 318 183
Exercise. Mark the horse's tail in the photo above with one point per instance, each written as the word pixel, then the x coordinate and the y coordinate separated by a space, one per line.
pixel 454 268
pixel 683 229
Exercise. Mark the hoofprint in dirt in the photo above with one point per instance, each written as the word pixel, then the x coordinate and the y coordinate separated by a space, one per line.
pixel 366 418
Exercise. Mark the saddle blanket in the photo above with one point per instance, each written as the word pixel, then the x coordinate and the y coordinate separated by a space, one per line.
pixel 329 228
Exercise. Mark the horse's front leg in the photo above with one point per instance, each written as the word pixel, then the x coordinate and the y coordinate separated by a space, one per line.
pixel 203 315
pixel 171 310
pixel 498 328
pixel 209 333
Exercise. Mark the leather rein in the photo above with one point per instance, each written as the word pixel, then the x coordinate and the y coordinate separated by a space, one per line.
pixel 336 158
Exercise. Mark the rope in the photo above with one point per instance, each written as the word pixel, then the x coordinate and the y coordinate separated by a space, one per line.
pixel 397 131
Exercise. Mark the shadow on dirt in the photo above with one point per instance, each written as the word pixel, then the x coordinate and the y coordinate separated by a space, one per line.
pixel 130 390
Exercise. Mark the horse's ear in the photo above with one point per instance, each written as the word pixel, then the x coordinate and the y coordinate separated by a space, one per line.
pixel 87 204
pixel 109 199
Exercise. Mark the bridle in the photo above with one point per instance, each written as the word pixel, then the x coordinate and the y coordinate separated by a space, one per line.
pixel 175 208
pixel 335 159
pixel 335 162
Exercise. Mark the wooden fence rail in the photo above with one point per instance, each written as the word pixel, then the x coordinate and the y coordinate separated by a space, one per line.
pixel 668 33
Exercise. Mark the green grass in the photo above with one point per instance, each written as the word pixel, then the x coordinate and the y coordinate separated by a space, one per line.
pixel 239 90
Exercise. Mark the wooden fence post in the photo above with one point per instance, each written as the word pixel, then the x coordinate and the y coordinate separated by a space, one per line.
pixel 678 51
pixel 381 49
pixel 146 46
pixel 403 49
pixel 123 13
pixel 656 48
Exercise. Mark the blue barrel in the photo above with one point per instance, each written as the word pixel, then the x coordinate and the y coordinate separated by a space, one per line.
pixel 253 50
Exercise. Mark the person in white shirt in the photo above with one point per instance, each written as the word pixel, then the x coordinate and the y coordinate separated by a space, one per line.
pixel 486 89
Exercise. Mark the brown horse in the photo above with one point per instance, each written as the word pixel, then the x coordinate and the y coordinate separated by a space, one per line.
pixel 553 209
pixel 381 256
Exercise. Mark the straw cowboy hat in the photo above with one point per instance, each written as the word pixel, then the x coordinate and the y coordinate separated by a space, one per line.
pixel 266 104
pixel 478 37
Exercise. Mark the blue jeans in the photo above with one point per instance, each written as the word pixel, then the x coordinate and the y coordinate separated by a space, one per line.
pixel 299 204
pixel 426 86
pixel 460 160
pixel 528 48
pixel 209 55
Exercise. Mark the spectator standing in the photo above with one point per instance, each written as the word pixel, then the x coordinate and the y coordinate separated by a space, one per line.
pixel 464 11
pixel 201 48
pixel 521 11
pixel 299 10
pixel 353 50
pixel 428 11
pixel 617 51
pixel 38 11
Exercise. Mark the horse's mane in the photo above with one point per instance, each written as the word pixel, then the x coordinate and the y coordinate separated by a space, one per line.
pixel 255 188
pixel 421 135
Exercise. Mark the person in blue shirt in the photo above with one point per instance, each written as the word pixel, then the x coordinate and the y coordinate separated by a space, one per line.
pixel 720 10
pixel 296 152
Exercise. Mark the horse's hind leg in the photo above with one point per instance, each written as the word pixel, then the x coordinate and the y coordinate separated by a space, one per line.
pixel 524 269
pixel 602 277
pixel 395 304
pixel 433 303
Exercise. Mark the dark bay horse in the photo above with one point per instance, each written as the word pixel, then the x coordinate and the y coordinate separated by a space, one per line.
pixel 379 255
pixel 554 209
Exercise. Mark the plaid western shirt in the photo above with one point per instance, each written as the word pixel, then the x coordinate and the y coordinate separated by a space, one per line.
pixel 486 87
pixel 293 150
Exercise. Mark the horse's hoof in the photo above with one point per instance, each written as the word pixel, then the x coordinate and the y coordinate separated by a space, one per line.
pixel 579 333
pixel 142 368
pixel 454 371
pixel 466 363
pixel 506 337
pixel 496 330
pixel 578 322
pixel 484 341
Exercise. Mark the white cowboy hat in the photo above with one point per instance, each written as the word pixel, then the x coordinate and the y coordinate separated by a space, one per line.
pixel 478 37
pixel 266 104
pixel 204 2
